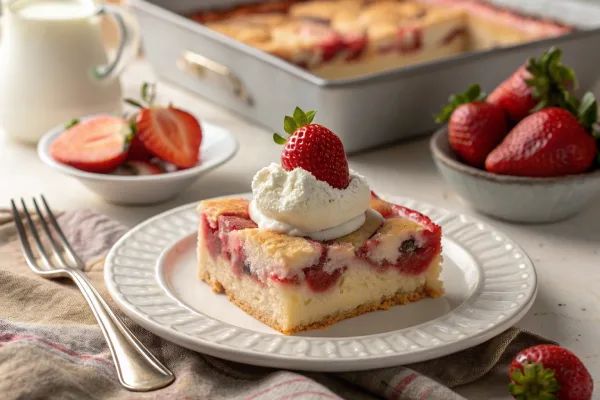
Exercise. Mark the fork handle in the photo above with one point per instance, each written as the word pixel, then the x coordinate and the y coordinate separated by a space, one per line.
pixel 138 370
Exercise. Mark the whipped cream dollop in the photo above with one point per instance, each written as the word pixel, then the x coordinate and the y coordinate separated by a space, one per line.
pixel 298 204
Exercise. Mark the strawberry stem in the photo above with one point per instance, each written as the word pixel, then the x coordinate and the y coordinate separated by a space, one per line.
pixel 472 94
pixel 134 103
pixel 147 94
pixel 533 382
pixel 290 124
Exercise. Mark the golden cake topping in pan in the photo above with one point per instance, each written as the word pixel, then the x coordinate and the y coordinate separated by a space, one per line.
pixel 325 10
pixel 250 29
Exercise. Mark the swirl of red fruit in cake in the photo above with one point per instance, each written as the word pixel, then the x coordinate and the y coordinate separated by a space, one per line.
pixel 314 148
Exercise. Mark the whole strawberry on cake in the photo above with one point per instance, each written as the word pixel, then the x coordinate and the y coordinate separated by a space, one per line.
pixel 315 245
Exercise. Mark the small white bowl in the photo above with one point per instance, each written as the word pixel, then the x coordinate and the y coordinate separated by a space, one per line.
pixel 218 147
pixel 513 198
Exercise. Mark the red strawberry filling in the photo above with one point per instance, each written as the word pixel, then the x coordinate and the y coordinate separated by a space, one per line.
pixel 413 256
pixel 454 34
pixel 355 46
pixel 319 280
pixel 211 237
pixel 412 259
pixel 286 281
pixel 329 42
pixel 331 46
pixel 216 238
pixel 410 39
pixel 233 252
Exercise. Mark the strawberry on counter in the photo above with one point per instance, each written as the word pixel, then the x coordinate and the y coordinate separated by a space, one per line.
pixel 549 372
pixel 475 127
pixel 539 83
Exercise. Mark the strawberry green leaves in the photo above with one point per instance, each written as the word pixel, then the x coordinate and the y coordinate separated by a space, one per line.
pixel 587 111
pixel 588 117
pixel 278 139
pixel 472 94
pixel 550 81
pixel 534 379
pixel 290 124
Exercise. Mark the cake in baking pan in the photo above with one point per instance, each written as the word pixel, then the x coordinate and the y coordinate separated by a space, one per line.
pixel 338 39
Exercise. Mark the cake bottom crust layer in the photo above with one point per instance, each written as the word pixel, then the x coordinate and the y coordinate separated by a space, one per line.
pixel 385 302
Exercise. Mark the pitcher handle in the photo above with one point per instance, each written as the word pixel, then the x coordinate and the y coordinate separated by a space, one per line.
pixel 129 42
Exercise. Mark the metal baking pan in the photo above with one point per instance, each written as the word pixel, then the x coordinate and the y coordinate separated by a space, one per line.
pixel 367 111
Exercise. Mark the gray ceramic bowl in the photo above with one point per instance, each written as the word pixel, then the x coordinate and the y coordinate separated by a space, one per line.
pixel 513 198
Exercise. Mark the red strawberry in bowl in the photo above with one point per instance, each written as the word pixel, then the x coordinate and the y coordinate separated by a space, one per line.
pixel 169 133
pixel 549 372
pixel 313 148
pixel 137 150
pixel 475 127
pixel 96 145
pixel 539 83
pixel 549 143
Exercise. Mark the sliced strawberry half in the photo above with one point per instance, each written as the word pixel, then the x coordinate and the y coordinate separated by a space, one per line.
pixel 169 133
pixel 97 145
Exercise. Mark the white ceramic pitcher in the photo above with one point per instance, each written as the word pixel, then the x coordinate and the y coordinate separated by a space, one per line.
pixel 54 66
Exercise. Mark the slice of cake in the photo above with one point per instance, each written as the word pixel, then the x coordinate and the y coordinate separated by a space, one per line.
pixel 315 245
pixel 294 284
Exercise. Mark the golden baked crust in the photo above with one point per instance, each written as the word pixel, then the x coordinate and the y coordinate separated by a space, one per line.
pixel 214 208
pixel 398 226
pixel 382 207
pixel 253 29
pixel 325 9
pixel 382 19
pixel 278 249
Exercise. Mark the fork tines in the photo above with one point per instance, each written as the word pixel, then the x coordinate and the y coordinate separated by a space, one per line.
pixel 48 224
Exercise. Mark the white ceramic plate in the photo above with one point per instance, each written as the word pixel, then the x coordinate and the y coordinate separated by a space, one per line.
pixel 490 284
pixel 218 146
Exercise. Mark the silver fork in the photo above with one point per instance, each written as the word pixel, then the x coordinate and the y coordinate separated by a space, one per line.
pixel 138 370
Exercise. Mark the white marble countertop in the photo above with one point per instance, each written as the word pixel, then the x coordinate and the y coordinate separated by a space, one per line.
pixel 566 254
